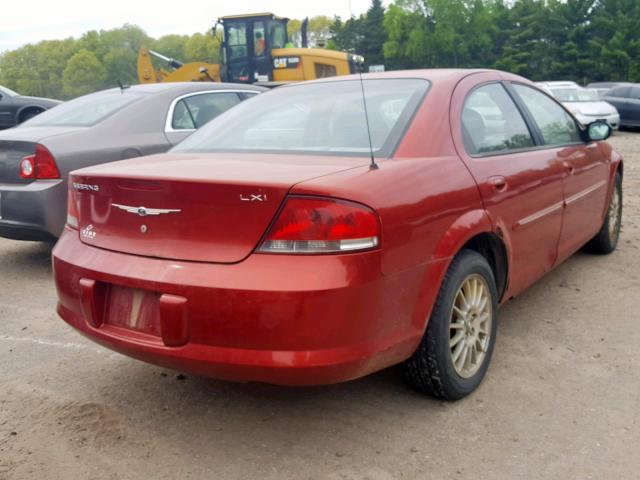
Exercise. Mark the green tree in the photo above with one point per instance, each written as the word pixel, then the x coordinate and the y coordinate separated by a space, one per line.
pixel 373 34
pixel 84 74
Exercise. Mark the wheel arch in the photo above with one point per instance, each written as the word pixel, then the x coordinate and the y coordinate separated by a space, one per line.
pixel 474 231
pixel 21 111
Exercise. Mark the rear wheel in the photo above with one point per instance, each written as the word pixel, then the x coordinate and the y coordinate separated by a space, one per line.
pixel 606 240
pixel 456 349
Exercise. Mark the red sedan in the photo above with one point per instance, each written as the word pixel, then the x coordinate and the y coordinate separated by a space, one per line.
pixel 295 240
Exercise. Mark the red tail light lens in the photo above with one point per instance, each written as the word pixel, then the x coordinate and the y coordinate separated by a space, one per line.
pixel 322 225
pixel 72 208
pixel 40 165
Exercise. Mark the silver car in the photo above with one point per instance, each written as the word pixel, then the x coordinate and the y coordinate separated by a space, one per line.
pixel 37 156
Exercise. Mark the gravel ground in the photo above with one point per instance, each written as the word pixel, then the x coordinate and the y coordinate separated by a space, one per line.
pixel 560 401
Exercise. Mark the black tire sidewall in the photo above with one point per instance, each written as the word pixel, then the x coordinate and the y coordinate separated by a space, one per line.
pixel 466 263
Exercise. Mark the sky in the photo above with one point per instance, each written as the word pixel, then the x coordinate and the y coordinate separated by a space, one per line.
pixel 30 21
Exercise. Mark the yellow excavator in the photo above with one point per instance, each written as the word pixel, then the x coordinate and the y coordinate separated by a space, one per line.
pixel 255 49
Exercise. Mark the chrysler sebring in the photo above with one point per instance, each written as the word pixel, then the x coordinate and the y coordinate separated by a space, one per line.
pixel 326 230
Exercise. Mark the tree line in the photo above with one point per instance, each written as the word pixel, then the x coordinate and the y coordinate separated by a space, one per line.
pixel 581 40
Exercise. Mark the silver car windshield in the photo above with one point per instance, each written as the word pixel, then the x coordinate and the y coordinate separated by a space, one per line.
pixel 315 118
pixel 85 111
pixel 575 95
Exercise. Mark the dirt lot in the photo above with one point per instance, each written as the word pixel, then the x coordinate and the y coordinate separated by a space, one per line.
pixel 560 401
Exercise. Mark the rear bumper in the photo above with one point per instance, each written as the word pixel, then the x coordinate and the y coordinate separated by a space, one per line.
pixel 33 211
pixel 272 318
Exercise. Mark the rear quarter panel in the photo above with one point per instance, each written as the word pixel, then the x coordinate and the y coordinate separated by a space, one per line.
pixel 429 206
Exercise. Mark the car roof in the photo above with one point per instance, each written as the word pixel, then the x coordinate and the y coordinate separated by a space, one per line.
pixel 435 75
pixel 187 87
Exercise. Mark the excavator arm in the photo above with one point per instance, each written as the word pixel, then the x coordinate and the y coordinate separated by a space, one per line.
pixel 180 72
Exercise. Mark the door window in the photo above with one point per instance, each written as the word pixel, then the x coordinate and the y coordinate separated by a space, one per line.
pixel 278 34
pixel 259 45
pixel 635 93
pixel 621 92
pixel 491 122
pixel 237 41
pixel 555 124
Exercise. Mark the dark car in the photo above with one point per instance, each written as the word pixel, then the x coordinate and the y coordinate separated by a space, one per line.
pixel 37 156
pixel 626 98
pixel 15 108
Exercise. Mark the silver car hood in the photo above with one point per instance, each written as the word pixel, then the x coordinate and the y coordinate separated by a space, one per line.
pixel 592 108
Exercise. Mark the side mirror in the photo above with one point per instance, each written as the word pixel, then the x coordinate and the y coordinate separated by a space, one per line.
pixel 597 131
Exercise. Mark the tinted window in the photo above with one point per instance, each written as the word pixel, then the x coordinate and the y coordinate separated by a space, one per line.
pixel 259 45
pixel 622 92
pixel 635 93
pixel 555 124
pixel 317 117
pixel 491 122
pixel 237 41
pixel 85 111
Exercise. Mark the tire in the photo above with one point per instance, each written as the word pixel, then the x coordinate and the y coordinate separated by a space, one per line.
pixel 606 240
pixel 431 368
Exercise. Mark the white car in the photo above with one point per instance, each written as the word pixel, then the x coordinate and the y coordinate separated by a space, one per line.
pixel 585 104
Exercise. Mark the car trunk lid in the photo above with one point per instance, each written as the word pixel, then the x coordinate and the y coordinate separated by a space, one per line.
pixel 210 207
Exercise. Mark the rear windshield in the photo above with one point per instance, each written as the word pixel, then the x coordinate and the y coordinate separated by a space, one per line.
pixel 85 111
pixel 575 95
pixel 315 118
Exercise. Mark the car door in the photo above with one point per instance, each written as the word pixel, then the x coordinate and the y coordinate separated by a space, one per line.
pixel 190 112
pixel 6 115
pixel 633 105
pixel 618 98
pixel 585 174
pixel 520 184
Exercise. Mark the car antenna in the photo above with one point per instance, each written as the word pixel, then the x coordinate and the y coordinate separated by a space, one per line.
pixel 373 165
pixel 122 86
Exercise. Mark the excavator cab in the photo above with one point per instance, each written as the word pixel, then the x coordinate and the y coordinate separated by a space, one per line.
pixel 247 46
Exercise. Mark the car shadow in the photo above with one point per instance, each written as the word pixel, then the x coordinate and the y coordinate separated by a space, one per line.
pixel 25 258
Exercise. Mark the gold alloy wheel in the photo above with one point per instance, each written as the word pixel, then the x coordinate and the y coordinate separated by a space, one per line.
pixel 470 325
pixel 614 213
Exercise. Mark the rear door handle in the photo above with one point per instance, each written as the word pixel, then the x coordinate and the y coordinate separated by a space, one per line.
pixel 499 183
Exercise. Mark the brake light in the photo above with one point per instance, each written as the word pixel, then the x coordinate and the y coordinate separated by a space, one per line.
pixel 72 208
pixel 40 165
pixel 322 225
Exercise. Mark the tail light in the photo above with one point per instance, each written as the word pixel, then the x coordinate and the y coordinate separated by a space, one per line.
pixel 310 225
pixel 40 165
pixel 72 208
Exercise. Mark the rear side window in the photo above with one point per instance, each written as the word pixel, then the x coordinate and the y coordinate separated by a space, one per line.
pixel 86 111
pixel 555 124
pixel 192 112
pixel 491 122
pixel 622 92
pixel 635 93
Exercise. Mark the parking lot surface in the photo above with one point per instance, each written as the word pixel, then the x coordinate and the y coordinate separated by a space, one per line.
pixel 560 401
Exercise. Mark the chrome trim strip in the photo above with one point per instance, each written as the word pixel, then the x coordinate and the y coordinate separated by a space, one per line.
pixel 144 211
pixel 168 124
pixel 577 196
pixel 539 214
